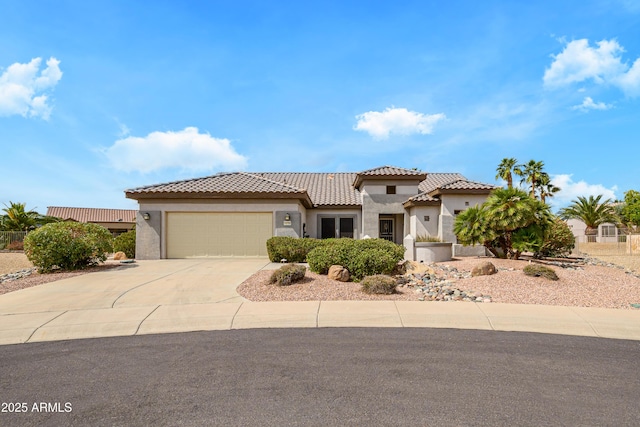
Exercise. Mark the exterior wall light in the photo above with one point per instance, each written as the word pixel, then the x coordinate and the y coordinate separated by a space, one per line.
pixel 287 217
pixel 146 216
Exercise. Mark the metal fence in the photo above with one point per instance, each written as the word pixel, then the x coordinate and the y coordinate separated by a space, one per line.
pixel 9 237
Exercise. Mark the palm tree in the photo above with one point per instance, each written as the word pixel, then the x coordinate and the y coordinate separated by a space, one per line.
pixel 546 188
pixel 591 212
pixel 511 211
pixel 505 170
pixel 18 218
pixel 531 173
pixel 471 228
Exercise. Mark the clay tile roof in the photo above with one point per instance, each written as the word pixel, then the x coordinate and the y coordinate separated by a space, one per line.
pixel 422 197
pixel 435 180
pixel 385 172
pixel 236 182
pixel 93 214
pixel 462 186
pixel 391 171
pixel 325 189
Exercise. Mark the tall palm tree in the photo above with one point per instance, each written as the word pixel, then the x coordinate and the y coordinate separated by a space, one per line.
pixel 546 188
pixel 505 170
pixel 531 173
pixel 590 211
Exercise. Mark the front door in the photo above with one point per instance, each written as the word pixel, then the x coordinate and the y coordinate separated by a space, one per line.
pixel 386 229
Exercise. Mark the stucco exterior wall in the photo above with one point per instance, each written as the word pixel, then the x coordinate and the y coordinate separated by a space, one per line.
pixel 419 226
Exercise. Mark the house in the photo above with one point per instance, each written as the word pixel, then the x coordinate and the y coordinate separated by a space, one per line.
pixel 117 221
pixel 233 214
pixel 606 233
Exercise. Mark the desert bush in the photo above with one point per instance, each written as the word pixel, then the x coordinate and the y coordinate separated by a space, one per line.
pixel 538 270
pixel 361 257
pixel 290 248
pixel 288 274
pixel 126 242
pixel 379 284
pixel 558 240
pixel 67 245
pixel 15 246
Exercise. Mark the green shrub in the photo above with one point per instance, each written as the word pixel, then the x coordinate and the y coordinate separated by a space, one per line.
pixel 538 270
pixel 379 284
pixel 67 245
pixel 424 238
pixel 361 257
pixel 288 274
pixel 558 240
pixel 126 242
pixel 291 249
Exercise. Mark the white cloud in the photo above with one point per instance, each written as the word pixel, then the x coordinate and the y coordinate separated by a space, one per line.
pixel 589 104
pixel 186 149
pixel 22 90
pixel 570 190
pixel 396 120
pixel 580 62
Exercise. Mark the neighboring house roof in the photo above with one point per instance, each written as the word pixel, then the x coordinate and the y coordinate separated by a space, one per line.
pixel 314 189
pixel 92 214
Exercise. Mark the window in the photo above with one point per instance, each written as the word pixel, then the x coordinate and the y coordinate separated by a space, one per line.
pixel 457 212
pixel 608 231
pixel 391 189
pixel 337 226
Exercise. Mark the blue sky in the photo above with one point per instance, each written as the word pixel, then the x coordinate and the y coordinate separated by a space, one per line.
pixel 97 97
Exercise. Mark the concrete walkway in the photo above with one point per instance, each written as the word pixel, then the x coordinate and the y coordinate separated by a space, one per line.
pixel 166 296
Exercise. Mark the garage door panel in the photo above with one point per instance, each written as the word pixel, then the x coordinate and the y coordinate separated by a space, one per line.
pixel 202 234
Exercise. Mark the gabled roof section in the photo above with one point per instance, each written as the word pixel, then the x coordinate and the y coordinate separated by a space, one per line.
pixel 435 180
pixel 463 186
pixel 93 214
pixel 223 185
pixel 388 172
pixel 422 199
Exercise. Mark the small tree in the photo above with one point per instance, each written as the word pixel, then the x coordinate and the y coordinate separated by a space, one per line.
pixel 630 210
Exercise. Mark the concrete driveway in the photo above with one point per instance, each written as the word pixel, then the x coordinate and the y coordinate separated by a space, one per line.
pixel 115 302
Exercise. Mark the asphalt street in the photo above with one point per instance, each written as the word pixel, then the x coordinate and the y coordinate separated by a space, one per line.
pixel 323 377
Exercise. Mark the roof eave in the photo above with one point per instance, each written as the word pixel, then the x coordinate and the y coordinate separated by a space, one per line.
pixel 439 191
pixel 411 203
pixel 360 178
pixel 303 197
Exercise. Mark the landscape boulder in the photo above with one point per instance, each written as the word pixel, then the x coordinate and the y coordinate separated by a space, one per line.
pixel 119 256
pixel 338 272
pixel 484 269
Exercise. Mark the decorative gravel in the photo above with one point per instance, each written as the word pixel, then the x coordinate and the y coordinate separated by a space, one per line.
pixel 588 284
pixel 17 272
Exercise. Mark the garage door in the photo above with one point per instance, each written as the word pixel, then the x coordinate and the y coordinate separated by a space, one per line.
pixel 208 234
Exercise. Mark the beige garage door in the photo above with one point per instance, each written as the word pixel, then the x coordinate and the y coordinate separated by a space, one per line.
pixel 208 234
